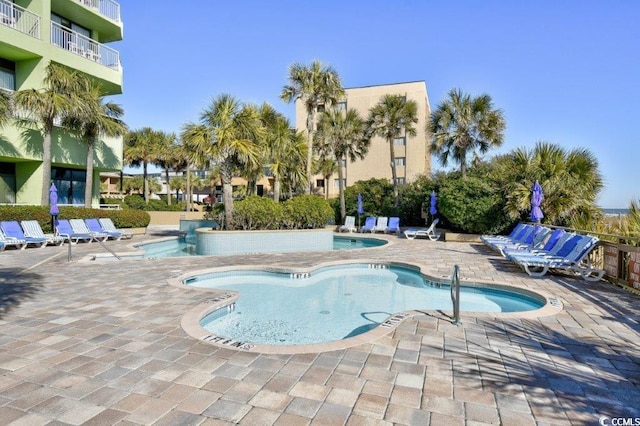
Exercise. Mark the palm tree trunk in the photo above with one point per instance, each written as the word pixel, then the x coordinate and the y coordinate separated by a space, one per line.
pixel 394 173
pixel 276 189
pixel 88 182
pixel 188 189
pixel 310 130
pixel 166 177
pixel 145 187
pixel 46 167
pixel 227 197
pixel 343 207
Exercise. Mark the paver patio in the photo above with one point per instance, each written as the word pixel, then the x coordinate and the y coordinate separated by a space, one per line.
pixel 101 343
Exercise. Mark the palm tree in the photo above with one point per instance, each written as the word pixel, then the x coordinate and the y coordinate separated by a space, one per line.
pixel 392 117
pixel 327 167
pixel 6 108
pixel 170 156
pixel 462 124
pixel 143 147
pixel 314 85
pixel 226 133
pixel 43 106
pixel 342 135
pixel 93 118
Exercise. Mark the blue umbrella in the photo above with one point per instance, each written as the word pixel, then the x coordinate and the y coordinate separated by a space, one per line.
pixel 432 208
pixel 360 208
pixel 536 201
pixel 53 206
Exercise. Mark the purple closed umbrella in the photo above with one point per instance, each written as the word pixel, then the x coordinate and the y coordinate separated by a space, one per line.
pixel 360 208
pixel 432 208
pixel 53 206
pixel 536 200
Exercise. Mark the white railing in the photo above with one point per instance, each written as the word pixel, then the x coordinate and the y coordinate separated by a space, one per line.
pixel 108 8
pixel 19 18
pixel 84 46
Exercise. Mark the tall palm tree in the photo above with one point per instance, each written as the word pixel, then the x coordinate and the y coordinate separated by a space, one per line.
pixel 462 124
pixel 313 85
pixel 142 147
pixel 93 118
pixel 227 132
pixel 6 108
pixel 342 135
pixel 170 156
pixel 392 117
pixel 41 108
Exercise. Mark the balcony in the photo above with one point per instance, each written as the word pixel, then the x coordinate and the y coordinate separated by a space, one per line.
pixel 107 8
pixel 83 46
pixel 19 18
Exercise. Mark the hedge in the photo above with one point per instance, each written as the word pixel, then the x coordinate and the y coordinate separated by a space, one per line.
pixel 121 218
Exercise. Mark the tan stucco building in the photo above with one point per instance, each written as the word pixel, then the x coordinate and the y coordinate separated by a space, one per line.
pixel 413 157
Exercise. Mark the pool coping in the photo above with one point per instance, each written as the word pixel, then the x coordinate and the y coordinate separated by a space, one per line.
pixel 219 299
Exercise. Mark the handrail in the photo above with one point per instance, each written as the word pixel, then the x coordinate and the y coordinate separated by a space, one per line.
pixel 69 256
pixel 84 46
pixel 455 294
pixel 19 18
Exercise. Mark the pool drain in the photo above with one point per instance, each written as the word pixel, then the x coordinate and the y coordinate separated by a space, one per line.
pixel 325 312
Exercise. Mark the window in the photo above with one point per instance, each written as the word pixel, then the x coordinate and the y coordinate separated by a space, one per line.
pixel 7 75
pixel 341 106
pixel 319 183
pixel 336 183
pixel 70 184
pixel 400 181
pixel 400 141
pixel 344 163
pixel 400 161
pixel 7 183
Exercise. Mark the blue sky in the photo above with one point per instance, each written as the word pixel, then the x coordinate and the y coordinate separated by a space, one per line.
pixel 562 72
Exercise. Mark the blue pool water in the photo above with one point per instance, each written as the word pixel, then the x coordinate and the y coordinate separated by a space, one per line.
pixel 336 302
pixel 186 246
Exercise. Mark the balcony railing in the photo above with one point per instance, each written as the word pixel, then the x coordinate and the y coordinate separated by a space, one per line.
pixel 19 18
pixel 108 8
pixel 84 46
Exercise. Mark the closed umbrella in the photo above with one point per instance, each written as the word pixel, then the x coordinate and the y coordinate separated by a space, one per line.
pixel 432 207
pixel 360 208
pixel 536 200
pixel 53 206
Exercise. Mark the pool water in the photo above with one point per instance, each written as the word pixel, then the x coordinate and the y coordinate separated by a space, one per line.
pixel 186 246
pixel 336 302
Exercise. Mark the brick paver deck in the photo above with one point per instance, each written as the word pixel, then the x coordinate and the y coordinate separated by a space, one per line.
pixel 101 343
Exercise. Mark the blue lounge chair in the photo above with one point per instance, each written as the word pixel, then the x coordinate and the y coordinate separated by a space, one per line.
pixel 430 232
pixel 535 240
pixel 94 226
pixel 32 229
pixel 393 226
pixel 369 224
pixel 524 236
pixel 109 226
pixel 12 230
pixel 349 224
pixel 546 248
pixel 64 229
pixel 515 231
pixel 11 242
pixel 80 227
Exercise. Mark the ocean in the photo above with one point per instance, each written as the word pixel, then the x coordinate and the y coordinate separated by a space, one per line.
pixel 616 212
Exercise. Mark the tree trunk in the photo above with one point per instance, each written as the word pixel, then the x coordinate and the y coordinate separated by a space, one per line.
pixel 227 199
pixel 88 182
pixel 310 130
pixel 188 190
pixel 276 189
pixel 145 187
pixel 343 207
pixel 46 167
pixel 394 174
pixel 166 177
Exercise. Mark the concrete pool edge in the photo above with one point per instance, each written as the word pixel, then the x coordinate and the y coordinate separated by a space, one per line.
pixel 220 299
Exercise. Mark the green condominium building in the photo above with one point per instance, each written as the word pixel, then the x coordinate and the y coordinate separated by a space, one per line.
pixel 73 33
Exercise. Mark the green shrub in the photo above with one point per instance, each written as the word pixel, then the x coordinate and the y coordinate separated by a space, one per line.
pixel 257 213
pixel 121 218
pixel 377 199
pixel 306 211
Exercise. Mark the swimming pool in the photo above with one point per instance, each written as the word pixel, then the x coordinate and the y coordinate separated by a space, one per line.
pixel 186 246
pixel 336 302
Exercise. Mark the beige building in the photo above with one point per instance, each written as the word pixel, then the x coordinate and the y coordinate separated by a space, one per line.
pixel 412 154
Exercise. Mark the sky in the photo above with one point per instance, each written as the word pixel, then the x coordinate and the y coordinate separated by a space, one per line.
pixel 566 73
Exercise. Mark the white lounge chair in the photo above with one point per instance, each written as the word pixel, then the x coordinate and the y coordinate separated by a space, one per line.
pixel 109 227
pixel 381 224
pixel 32 228
pixel 429 232
pixel 64 230
pixel 80 227
pixel 349 224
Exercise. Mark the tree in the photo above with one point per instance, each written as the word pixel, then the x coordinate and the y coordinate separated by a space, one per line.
pixel 342 136
pixel 43 106
pixel 143 147
pixel 570 181
pixel 327 167
pixel 227 132
pixel 6 109
pixel 313 85
pixel 170 156
pixel 93 118
pixel 391 118
pixel 462 125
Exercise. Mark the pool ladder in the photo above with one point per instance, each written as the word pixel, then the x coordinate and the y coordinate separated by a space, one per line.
pixel 455 294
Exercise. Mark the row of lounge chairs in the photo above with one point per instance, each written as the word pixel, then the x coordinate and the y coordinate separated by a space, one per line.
pixel 389 225
pixel 29 232
pixel 538 250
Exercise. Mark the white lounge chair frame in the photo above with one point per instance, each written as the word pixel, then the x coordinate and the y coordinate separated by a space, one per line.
pixel 381 224
pixel 349 224
pixel 430 232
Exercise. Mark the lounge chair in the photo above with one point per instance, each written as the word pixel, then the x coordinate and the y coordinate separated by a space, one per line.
pixel 108 226
pixel 80 227
pixel 544 247
pixel 429 232
pixel 94 226
pixel 32 229
pixel 572 258
pixel 64 230
pixel 381 224
pixel 11 241
pixel 524 236
pixel 515 231
pixel 532 240
pixel 349 224
pixel 12 230
pixel 369 224
pixel 393 226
